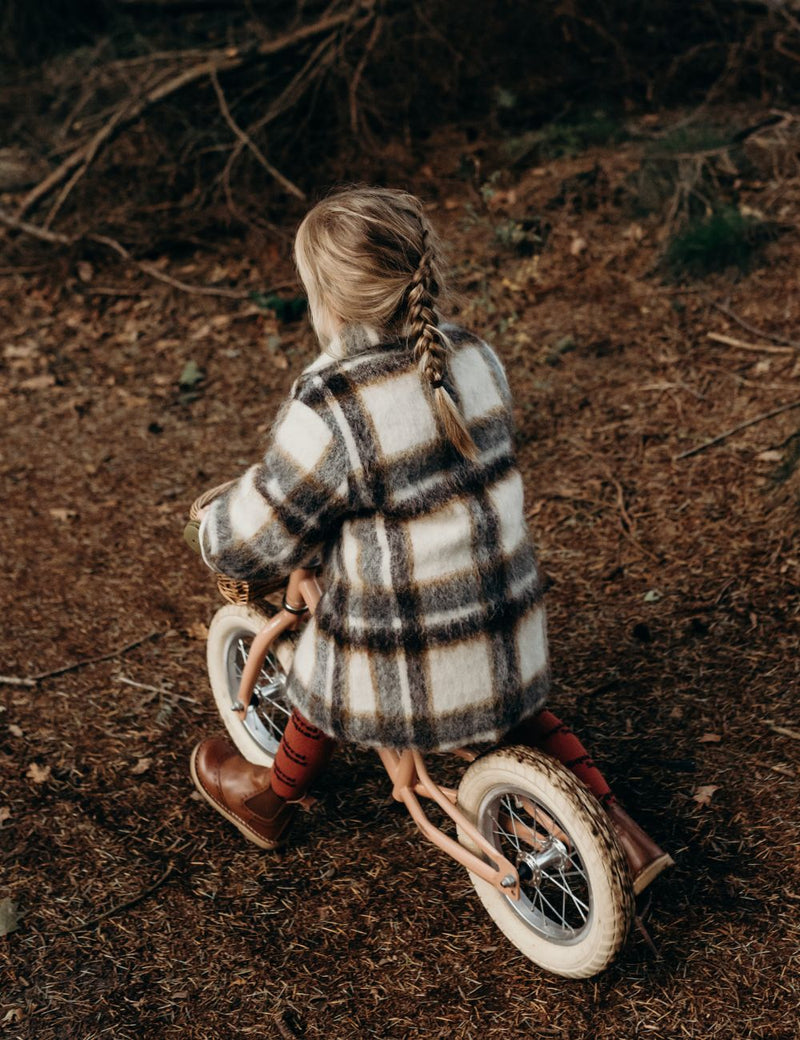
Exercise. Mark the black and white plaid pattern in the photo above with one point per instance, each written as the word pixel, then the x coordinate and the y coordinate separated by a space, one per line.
pixel 431 630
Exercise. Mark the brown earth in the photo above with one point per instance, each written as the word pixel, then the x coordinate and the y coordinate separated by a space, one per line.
pixel 673 618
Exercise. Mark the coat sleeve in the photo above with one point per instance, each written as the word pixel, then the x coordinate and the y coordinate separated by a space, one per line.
pixel 282 508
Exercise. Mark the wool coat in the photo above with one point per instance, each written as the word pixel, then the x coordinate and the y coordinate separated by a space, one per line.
pixel 431 630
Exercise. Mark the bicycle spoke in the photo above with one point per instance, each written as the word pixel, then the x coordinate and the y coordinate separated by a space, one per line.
pixel 576 869
pixel 546 900
pixel 559 905
pixel 267 712
pixel 565 888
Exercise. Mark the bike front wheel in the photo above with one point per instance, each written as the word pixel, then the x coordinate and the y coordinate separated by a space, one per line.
pixel 576 901
pixel 230 636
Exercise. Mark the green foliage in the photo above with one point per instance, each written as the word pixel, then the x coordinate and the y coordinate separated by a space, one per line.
pixel 566 137
pixel 726 238
pixel 285 310
pixel 691 140
pixel 526 237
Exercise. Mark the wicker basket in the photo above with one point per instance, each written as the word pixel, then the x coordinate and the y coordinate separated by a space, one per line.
pixel 250 591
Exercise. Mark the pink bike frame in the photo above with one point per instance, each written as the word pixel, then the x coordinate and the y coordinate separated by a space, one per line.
pixel 406 769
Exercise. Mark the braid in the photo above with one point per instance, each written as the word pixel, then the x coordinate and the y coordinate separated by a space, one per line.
pixel 431 348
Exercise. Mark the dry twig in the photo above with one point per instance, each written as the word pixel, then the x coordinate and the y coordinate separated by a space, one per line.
pixel 742 426
pixel 32 680
pixel 723 309
pixel 117 247
pixel 120 906
pixel 758 348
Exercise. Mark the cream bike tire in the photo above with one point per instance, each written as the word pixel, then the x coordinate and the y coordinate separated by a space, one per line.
pixel 576 898
pixel 230 636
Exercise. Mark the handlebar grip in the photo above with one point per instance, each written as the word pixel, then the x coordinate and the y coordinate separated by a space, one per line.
pixel 191 535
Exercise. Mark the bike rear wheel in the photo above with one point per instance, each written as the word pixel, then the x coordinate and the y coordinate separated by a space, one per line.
pixel 576 901
pixel 230 636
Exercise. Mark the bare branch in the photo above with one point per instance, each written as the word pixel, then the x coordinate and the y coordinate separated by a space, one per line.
pixel 288 185
pixel 216 62
pixel 53 238
pixel 377 28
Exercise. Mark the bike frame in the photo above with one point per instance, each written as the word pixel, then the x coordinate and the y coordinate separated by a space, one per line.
pixel 406 769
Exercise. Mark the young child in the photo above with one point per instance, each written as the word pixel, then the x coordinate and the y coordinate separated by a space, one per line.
pixel 393 460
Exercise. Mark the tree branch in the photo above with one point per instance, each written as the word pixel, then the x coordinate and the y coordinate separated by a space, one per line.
pixel 285 183
pixel 53 238
pixel 216 62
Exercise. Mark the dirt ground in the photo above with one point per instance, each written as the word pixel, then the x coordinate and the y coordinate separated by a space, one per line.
pixel 673 616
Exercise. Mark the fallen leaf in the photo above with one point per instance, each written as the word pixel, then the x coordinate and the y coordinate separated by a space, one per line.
pixel 197 630
pixel 710 738
pixel 577 245
pixel 14 1014
pixel 15 730
pixel 63 514
pixel 652 596
pixel 142 765
pixel 42 382
pixel 202 331
pixel 5 814
pixel 9 919
pixel 39 774
pixel 703 795
pixel 770 456
pixel 191 375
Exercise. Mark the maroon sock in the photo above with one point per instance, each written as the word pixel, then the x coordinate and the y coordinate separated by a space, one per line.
pixel 547 732
pixel 303 753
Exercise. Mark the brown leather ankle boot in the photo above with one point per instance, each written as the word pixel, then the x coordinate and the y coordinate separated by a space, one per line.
pixel 645 859
pixel 240 792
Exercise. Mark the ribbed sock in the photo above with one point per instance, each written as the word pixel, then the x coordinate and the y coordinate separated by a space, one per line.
pixel 303 753
pixel 547 732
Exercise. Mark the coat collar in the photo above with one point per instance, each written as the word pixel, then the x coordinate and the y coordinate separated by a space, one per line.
pixel 350 340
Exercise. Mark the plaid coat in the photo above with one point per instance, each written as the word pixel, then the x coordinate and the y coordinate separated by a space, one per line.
pixel 431 629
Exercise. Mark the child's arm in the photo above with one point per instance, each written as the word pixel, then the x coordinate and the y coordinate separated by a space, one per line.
pixel 280 509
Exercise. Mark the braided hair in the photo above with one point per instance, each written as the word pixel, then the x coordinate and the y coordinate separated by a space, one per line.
pixel 431 347
pixel 368 256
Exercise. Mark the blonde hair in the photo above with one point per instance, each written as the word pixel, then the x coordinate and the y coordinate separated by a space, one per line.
pixel 369 256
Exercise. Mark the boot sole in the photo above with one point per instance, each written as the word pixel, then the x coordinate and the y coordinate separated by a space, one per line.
pixel 239 824
pixel 651 872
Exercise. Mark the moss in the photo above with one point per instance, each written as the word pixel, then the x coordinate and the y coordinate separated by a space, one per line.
pixel 726 238
pixel 566 137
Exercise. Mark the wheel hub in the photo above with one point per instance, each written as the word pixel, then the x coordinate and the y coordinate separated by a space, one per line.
pixel 553 854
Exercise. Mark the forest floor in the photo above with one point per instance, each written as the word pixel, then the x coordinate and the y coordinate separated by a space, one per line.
pixel 673 611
